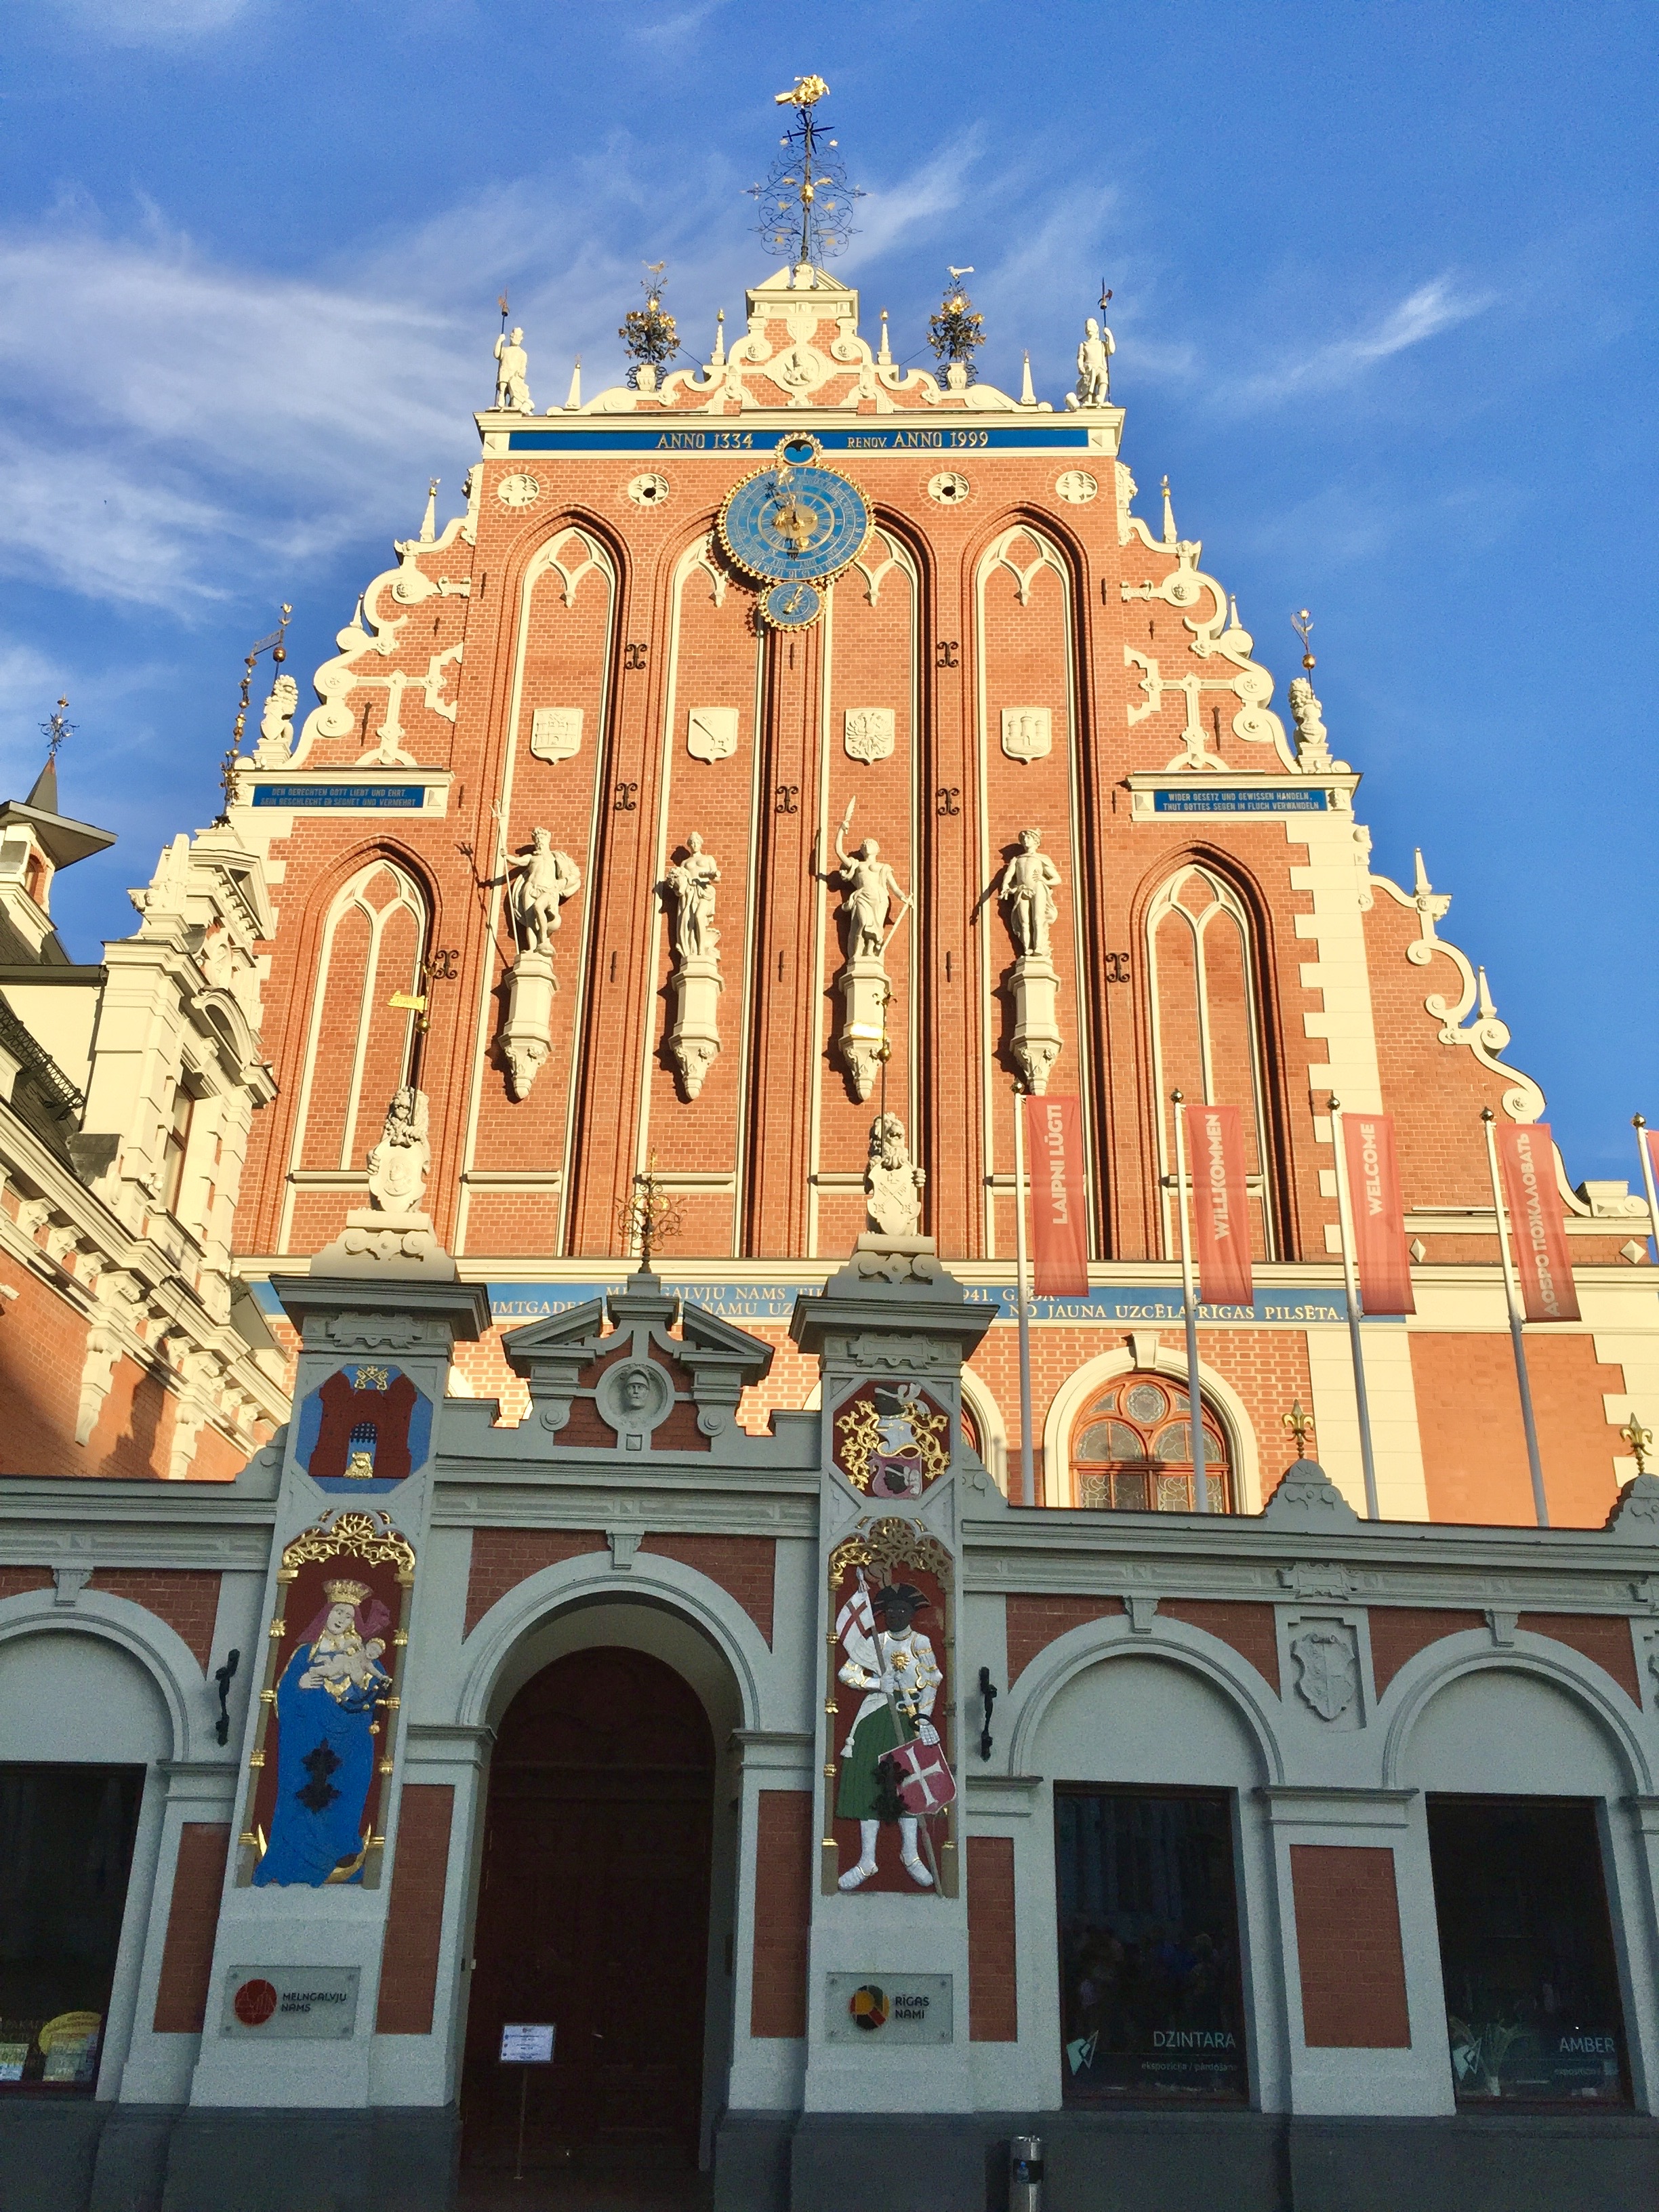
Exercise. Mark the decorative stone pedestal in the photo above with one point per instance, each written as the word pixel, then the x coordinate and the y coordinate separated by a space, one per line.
pixel 527 1033
pixel 1033 987
pixel 865 991
pixel 694 1042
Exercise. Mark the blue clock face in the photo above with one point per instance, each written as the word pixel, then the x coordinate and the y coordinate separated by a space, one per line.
pixel 792 606
pixel 793 522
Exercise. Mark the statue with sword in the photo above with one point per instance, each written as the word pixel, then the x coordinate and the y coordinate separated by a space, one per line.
pixel 893 1767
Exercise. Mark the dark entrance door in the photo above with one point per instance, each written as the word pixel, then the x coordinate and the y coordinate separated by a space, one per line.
pixel 593 1915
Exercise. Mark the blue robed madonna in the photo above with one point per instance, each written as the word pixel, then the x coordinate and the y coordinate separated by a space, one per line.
pixel 325 1743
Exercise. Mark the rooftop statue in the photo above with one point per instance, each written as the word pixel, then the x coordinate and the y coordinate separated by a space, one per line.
pixel 512 391
pixel 1094 365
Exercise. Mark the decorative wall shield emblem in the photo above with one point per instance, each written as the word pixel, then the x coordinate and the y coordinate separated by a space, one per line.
pixel 711 733
pixel 1028 733
pixel 869 733
pixel 892 1440
pixel 1328 1670
pixel 923 1773
pixel 364 1430
pixel 556 733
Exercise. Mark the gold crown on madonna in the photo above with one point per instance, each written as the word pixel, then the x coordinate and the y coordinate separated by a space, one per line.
pixel 345 1593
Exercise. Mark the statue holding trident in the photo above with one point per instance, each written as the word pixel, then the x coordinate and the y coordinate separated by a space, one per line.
pixel 871 888
pixel 546 878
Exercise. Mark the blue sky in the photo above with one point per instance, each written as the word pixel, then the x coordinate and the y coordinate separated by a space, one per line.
pixel 1384 280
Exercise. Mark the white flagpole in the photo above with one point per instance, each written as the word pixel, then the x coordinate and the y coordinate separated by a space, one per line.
pixel 1027 1471
pixel 1512 1293
pixel 1190 1299
pixel 1350 1284
pixel 1639 1123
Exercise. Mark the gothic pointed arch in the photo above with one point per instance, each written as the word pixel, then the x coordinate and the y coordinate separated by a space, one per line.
pixel 1209 1035
pixel 356 1048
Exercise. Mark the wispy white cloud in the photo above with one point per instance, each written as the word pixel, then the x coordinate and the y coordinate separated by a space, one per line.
pixel 149 22
pixel 1432 307
pixel 670 30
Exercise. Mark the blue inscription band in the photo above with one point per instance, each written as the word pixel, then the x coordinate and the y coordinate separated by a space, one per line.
pixel 1062 438
pixel 308 795
pixel 1240 802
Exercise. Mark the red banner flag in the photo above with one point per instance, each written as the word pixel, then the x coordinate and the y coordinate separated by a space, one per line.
pixel 1221 1207
pixel 1060 1209
pixel 1379 1214
pixel 1526 1153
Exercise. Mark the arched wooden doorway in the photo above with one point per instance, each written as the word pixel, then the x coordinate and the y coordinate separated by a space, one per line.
pixel 593 1915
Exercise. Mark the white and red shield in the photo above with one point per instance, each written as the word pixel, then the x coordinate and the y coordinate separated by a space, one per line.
pixel 923 1777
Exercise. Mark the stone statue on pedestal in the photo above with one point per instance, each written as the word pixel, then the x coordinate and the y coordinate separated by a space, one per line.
pixel 398 1164
pixel 892 1182
pixel 276 743
pixel 694 1042
pixel 872 891
pixel 546 877
pixel 1027 896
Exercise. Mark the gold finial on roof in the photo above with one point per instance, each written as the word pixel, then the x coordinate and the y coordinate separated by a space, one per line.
pixel 1300 1424
pixel 647 1215
pixel 1640 1440
pixel 1301 623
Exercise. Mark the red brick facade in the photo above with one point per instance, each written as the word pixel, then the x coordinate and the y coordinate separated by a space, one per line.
pixel 784 1859
pixel 1347 1941
pixel 993 1952
pixel 504 1557
pixel 182 1992
pixel 414 1926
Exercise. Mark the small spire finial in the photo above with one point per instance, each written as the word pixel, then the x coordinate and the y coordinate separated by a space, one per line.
pixel 1301 623
pixel 1168 515
pixel 55 729
pixel 647 1215
pixel 1640 1440
pixel 1300 1424
pixel 276 645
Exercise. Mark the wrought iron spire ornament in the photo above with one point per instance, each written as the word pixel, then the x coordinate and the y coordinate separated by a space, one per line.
pixel 649 334
pixel 1301 623
pixel 55 729
pixel 648 1215
pixel 955 331
pixel 807 201
pixel 276 645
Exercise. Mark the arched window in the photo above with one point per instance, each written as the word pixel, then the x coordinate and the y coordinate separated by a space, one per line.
pixel 1204 982
pixel 1131 1450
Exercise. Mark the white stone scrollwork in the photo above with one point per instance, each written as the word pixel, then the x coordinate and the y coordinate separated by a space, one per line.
pixel 556 733
pixel 872 892
pixel 711 733
pixel 694 1041
pixel 1026 894
pixel 868 733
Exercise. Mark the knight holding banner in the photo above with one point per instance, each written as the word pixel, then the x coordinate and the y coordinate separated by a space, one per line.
pixel 895 1668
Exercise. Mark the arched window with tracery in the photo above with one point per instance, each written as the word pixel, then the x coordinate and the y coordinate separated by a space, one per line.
pixel 1203 978
pixel 1131 1449
pixel 357 1045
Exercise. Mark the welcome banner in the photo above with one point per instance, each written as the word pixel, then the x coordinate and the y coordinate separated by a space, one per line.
pixel 1526 1153
pixel 1221 1206
pixel 1379 1214
pixel 1059 1207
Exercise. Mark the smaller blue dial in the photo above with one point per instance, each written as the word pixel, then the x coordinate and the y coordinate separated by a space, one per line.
pixel 794 520
pixel 792 606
